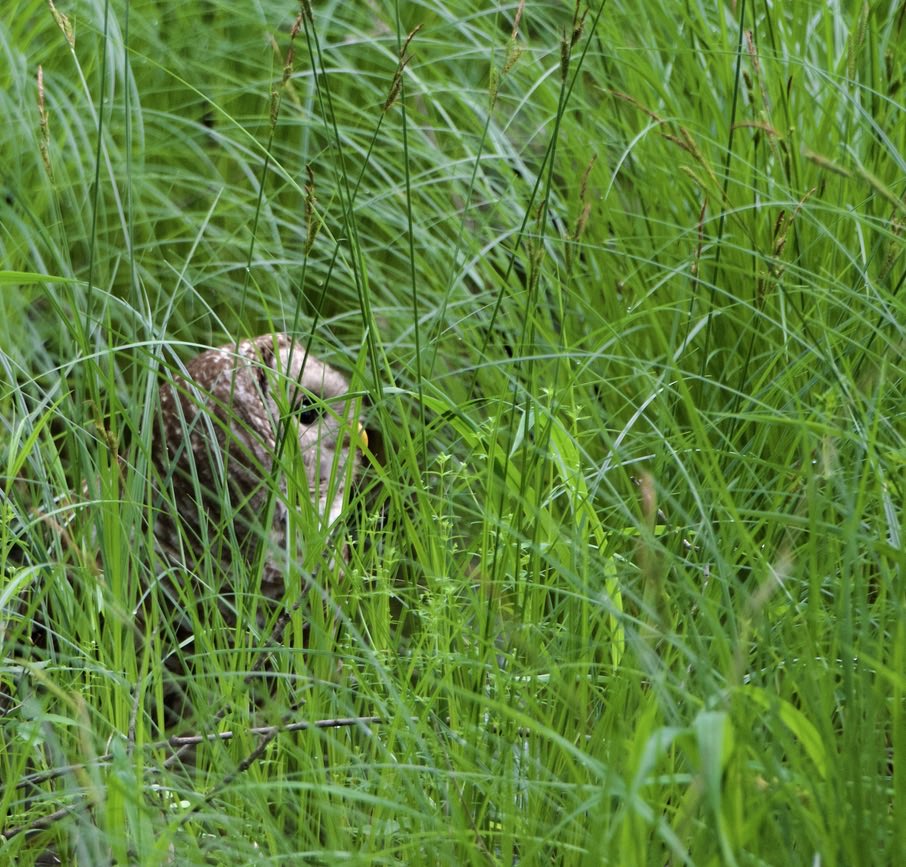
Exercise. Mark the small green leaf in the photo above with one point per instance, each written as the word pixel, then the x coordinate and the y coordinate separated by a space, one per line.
pixel 27 278
pixel 797 723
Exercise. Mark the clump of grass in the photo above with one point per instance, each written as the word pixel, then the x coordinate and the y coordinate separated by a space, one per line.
pixel 624 290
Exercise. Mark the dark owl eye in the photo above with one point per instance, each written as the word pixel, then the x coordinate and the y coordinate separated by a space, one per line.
pixel 306 413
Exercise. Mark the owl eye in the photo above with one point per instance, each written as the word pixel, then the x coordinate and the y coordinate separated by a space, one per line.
pixel 306 413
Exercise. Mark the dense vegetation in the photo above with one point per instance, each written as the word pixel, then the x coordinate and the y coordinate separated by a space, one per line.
pixel 623 289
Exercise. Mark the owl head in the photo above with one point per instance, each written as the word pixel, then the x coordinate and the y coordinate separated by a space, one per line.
pixel 252 425
pixel 309 405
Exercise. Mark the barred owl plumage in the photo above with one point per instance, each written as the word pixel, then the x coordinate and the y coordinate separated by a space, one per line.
pixel 218 445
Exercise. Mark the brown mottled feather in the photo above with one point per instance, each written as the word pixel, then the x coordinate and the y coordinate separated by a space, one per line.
pixel 217 446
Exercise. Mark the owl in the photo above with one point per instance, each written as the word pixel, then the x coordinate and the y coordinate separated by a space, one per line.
pixel 252 430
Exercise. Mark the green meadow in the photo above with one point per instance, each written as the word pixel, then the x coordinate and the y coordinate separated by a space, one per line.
pixel 621 290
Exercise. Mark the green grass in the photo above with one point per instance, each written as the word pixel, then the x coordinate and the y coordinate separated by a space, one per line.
pixel 625 297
